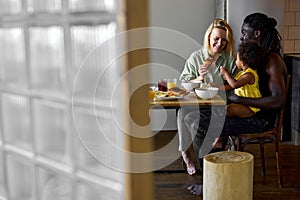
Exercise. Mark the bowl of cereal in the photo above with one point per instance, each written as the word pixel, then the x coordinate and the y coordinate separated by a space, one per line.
pixel 190 85
pixel 206 93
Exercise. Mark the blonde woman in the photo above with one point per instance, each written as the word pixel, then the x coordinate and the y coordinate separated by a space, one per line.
pixel 218 47
pixel 205 63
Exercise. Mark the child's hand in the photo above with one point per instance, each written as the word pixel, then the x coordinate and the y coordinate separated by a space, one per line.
pixel 223 72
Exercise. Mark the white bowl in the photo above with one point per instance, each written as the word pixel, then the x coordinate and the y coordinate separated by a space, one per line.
pixel 207 93
pixel 190 85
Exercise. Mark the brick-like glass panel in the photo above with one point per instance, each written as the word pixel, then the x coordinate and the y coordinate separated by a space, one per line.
pixel 12 57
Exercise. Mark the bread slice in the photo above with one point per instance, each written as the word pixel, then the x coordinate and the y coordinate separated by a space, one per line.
pixel 177 91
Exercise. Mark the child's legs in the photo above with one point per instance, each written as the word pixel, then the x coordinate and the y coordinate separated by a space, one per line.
pixel 239 110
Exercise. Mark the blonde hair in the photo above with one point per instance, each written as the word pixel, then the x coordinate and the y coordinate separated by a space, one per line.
pixel 222 24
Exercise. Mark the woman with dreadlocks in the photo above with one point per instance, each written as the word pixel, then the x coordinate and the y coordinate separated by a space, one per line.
pixel 272 76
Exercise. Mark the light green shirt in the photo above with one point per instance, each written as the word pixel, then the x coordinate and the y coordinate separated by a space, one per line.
pixel 197 58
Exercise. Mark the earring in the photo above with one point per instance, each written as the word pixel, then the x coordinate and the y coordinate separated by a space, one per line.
pixel 257 33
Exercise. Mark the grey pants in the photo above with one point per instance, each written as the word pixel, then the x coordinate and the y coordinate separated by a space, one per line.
pixel 208 124
pixel 200 127
pixel 184 130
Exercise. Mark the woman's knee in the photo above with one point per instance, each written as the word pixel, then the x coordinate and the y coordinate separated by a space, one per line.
pixel 189 118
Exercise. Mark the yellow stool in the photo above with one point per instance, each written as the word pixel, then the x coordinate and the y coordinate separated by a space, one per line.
pixel 228 175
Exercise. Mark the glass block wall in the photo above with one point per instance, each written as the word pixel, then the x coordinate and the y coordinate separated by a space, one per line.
pixel 55 107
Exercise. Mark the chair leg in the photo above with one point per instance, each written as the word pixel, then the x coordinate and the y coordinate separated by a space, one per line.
pixel 277 143
pixel 262 154
pixel 278 170
pixel 239 144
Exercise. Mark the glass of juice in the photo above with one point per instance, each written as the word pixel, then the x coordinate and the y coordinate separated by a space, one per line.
pixel 172 82
pixel 152 92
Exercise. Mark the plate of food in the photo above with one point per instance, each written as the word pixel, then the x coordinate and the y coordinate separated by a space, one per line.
pixel 172 94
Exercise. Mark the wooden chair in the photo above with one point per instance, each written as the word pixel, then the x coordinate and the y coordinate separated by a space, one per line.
pixel 273 135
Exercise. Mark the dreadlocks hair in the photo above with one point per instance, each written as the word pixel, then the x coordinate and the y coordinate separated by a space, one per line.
pixel 252 54
pixel 271 39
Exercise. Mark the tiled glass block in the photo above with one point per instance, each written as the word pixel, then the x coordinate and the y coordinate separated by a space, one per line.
pixel 10 7
pixel 51 128
pixel 90 58
pixel 16 121
pixel 2 176
pixel 52 185
pixel 95 153
pixel 20 178
pixel 91 5
pixel 50 6
pixel 1 140
pixel 108 87
pixel 1 121
pixel 47 59
pixel 12 57
pixel 91 191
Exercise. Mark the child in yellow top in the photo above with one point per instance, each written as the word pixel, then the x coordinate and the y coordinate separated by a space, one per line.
pixel 250 56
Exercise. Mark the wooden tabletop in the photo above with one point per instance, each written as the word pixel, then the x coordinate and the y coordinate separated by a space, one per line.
pixel 189 100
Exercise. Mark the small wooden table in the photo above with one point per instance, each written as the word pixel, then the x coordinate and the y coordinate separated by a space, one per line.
pixel 190 100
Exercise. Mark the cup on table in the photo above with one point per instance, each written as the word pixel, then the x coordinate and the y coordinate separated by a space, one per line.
pixel 162 85
pixel 152 91
pixel 172 82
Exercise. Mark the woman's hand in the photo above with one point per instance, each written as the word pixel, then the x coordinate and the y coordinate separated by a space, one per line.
pixel 203 70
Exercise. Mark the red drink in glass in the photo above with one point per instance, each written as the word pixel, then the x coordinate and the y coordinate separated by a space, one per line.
pixel 162 85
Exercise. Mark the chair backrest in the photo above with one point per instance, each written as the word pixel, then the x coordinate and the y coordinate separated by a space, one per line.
pixel 281 114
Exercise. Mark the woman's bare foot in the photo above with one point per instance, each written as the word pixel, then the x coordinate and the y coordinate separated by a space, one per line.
pixel 217 144
pixel 190 166
pixel 196 189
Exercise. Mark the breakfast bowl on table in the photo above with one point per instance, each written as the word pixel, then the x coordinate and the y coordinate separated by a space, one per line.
pixel 190 85
pixel 206 93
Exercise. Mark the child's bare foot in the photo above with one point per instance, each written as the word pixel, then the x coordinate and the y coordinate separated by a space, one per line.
pixel 190 166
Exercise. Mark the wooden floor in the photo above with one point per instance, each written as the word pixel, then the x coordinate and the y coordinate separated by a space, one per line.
pixel 171 182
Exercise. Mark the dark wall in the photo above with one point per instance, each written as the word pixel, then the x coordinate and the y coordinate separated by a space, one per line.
pixel 291 128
